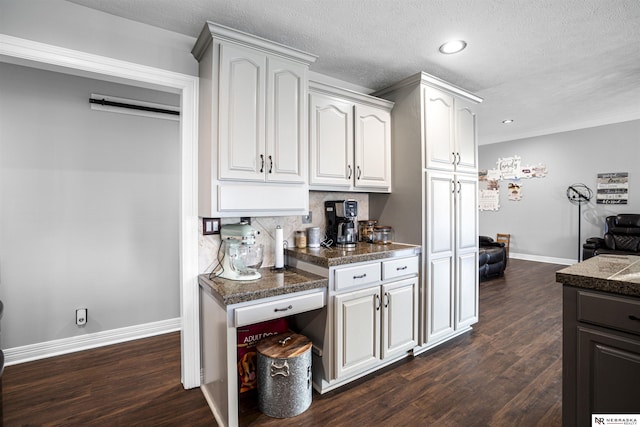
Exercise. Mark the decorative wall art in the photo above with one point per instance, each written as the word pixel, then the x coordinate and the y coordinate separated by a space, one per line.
pixel 613 188
pixel 508 168
pixel 515 191
pixel 511 168
pixel 489 189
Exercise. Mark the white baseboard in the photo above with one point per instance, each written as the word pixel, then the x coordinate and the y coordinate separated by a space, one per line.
pixel 538 258
pixel 31 352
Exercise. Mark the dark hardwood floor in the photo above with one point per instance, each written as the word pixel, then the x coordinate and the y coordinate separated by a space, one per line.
pixel 506 372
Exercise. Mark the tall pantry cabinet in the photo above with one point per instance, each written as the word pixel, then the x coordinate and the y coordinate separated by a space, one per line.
pixel 434 201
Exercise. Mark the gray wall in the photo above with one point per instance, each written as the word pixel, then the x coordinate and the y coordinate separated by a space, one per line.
pixel 544 224
pixel 89 208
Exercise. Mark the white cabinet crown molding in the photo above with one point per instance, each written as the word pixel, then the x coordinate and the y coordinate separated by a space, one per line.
pixel 212 30
pixel 430 80
pixel 349 95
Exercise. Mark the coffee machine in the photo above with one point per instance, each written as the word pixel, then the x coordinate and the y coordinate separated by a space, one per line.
pixel 341 223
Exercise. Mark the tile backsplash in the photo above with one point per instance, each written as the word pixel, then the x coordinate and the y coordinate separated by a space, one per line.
pixel 209 244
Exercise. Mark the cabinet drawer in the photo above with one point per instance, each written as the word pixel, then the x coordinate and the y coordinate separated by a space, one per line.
pixel 351 277
pixel 279 308
pixel 399 268
pixel 610 311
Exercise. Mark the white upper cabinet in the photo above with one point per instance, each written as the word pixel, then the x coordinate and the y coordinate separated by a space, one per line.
pixel 287 140
pixel 466 137
pixel 438 129
pixel 331 141
pixel 242 113
pixel 349 140
pixel 450 130
pixel 253 133
pixel 262 116
pixel 372 147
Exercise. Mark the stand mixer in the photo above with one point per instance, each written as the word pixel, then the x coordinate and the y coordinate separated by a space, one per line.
pixel 242 256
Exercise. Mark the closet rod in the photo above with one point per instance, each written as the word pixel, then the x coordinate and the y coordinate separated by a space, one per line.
pixel 133 107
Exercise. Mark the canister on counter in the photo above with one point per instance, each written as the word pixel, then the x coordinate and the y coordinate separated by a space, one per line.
pixel 382 235
pixel 365 230
pixel 301 239
pixel 284 375
pixel 313 237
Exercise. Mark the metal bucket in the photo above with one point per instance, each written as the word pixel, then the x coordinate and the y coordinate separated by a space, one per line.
pixel 284 375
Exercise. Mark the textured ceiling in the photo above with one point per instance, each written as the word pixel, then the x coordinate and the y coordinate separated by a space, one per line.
pixel 550 65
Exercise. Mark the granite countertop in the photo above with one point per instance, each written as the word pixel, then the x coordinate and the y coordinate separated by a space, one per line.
pixel 618 274
pixel 272 283
pixel 330 257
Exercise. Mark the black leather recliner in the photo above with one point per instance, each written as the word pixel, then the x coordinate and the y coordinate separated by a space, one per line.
pixel 492 258
pixel 621 237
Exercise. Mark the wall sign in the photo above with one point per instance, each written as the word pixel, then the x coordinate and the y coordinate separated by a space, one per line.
pixel 613 188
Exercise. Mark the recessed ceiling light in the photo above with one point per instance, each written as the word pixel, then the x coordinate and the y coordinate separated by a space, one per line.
pixel 453 46
pixel 507 121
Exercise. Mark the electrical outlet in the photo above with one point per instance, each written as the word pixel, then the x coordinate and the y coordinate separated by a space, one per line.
pixel 81 316
pixel 306 219
pixel 210 225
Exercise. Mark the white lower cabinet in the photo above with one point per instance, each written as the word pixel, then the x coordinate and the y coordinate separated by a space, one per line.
pixel 374 324
pixel 399 317
pixel 451 254
pixel 357 331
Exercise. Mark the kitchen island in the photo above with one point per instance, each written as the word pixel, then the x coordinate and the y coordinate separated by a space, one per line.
pixel 601 338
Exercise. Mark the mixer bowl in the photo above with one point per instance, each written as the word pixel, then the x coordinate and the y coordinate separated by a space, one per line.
pixel 245 259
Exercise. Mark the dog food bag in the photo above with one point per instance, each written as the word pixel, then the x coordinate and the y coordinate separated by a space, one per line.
pixel 248 337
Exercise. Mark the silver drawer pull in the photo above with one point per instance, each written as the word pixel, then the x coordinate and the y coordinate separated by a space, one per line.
pixel 283 309
pixel 401 268
pixel 280 370
pixel 362 276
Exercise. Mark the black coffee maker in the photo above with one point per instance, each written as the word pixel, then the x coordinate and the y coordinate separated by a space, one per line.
pixel 341 218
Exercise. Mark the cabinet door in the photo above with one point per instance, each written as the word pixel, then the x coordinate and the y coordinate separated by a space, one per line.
pixel 439 199
pixel 242 114
pixel 440 252
pixel 466 236
pixel 438 129
pixel 330 141
pixel 286 154
pixel 399 317
pixel 608 374
pixel 466 208
pixel 357 326
pixel 466 289
pixel 466 137
pixel 372 147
